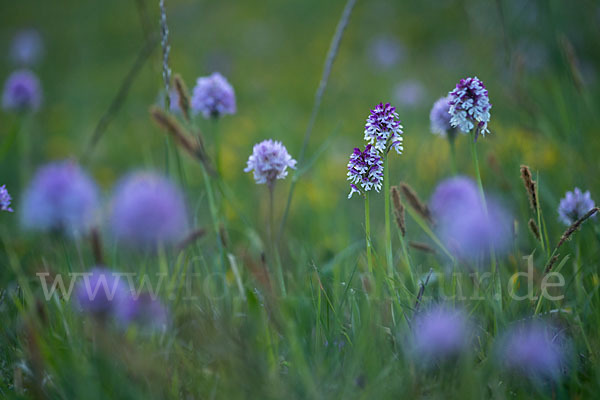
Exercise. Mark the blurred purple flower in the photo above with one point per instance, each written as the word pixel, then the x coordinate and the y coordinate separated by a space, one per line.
pixel 269 161
pixel 365 170
pixel 453 197
pixel 470 105
pixel 62 197
pixel 27 47
pixel 440 118
pixel 22 92
pixel 409 93
pixel 213 96
pixel 574 205
pixel 440 333
pixel 5 199
pixel 100 292
pixel 383 129
pixel 386 51
pixel 147 209
pixel 534 350
pixel 144 310
pixel 463 223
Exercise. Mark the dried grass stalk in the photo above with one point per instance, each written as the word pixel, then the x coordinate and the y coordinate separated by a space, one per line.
pixel 534 229
pixel 530 186
pixel 184 96
pixel 413 199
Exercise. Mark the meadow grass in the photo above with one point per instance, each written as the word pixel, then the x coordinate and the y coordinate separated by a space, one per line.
pixel 294 291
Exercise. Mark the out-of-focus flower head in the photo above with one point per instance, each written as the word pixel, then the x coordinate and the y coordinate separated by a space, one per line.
pixel 144 310
pixel 470 106
pixel 60 197
pixel 269 161
pixel 22 92
pixel 101 291
pixel 410 93
pixel 365 170
pixel 575 205
pixel 534 350
pixel 454 195
pixel 464 224
pixel 383 129
pixel 440 118
pixel 27 47
pixel 148 210
pixel 5 199
pixel 386 51
pixel 213 96
pixel 440 333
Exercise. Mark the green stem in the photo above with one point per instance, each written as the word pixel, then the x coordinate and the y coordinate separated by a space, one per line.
pixel 10 139
pixel 577 271
pixel 538 306
pixel 476 163
pixel 272 245
pixel 214 215
pixel 495 277
pixel 388 229
pixel 425 227
pixel 407 259
pixel 452 143
pixel 217 142
pixel 368 233
pixel 24 152
pixel 538 211
pixel 212 204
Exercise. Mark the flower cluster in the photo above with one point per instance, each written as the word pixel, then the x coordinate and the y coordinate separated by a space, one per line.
pixel 60 197
pixel 148 210
pixel 100 291
pixel 5 199
pixel 386 52
pixel 22 92
pixel 365 170
pixel 104 294
pixel 440 118
pixel 213 96
pixel 535 350
pixel 470 105
pixel 409 94
pixel 145 310
pixel 466 226
pixel 269 161
pixel 440 333
pixel 27 47
pixel 383 129
pixel 574 205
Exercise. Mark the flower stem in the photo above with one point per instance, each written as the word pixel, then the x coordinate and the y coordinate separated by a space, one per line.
pixel 388 229
pixel 495 274
pixel 214 214
pixel 368 233
pixel 407 259
pixel 451 142
pixel 476 163
pixel 579 290
pixel 272 243
pixel 217 142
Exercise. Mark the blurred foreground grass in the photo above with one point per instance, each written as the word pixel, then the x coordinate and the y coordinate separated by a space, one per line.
pixel 328 338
